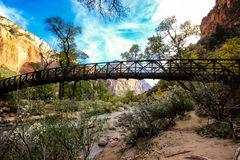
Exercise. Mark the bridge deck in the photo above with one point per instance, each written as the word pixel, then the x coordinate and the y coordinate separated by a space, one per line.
pixel 167 69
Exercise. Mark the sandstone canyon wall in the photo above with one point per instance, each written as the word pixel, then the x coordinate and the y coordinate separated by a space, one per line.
pixel 18 46
pixel 121 86
pixel 225 13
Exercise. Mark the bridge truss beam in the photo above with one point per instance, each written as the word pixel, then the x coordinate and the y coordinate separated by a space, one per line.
pixel 167 69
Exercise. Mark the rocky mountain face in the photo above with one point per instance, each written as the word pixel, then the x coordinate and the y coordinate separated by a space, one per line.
pixel 121 86
pixel 226 13
pixel 18 46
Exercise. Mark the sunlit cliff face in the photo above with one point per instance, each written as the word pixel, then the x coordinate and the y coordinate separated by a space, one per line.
pixel 18 46
pixel 225 13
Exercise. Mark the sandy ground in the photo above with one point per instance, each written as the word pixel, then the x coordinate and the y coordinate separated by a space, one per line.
pixel 176 144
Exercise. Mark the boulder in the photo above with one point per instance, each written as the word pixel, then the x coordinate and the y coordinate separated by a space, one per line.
pixel 113 143
pixel 103 141
pixel 111 124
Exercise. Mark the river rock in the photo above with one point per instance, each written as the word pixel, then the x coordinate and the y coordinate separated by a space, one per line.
pixel 90 124
pixel 114 143
pixel 103 141
pixel 121 109
pixel 111 124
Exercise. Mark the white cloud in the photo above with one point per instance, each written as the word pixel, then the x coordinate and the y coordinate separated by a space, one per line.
pixel 193 10
pixel 13 14
pixel 100 40
pixel 106 41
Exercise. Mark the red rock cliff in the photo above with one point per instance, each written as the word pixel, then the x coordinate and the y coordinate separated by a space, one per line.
pixel 225 13
pixel 19 47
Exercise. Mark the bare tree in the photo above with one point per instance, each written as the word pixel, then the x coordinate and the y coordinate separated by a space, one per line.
pixel 107 8
pixel 48 58
pixel 65 33
pixel 176 34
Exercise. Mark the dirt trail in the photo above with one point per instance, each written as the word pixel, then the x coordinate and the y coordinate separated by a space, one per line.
pixel 176 144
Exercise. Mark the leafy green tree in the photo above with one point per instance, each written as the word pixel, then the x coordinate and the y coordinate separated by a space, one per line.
pixel 230 49
pixel 195 51
pixel 65 33
pixel 44 92
pixel 177 35
pixel 101 90
pixel 156 48
pixel 134 53
pixel 88 90
pixel 129 96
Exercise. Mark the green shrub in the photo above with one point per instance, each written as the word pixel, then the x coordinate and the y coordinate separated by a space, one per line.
pixel 152 117
pixel 37 107
pixel 176 101
pixel 90 107
pixel 114 99
pixel 66 105
pixel 51 138
pixel 45 92
pixel 211 98
pixel 5 72
pixel 218 129
pixel 142 123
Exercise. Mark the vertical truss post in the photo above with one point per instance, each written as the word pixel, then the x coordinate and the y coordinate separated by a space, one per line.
pixel 135 69
pixel 47 73
pixel 55 73
pixel 238 61
pixel 214 68
pixel 191 62
pixel 84 70
pixel 20 79
pixel 33 75
pixel 73 71
pixel 107 70
pixel 107 65
pixel 95 69
pixel 4 82
pixel 151 71
pixel 26 77
pixel 121 68
pixel 170 66
pixel 14 79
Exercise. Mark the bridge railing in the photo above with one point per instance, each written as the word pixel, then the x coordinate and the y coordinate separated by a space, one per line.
pixel 189 66
pixel 171 69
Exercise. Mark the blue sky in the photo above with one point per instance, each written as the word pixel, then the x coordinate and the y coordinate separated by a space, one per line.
pixel 103 40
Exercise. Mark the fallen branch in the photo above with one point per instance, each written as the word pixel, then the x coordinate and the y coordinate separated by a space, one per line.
pixel 237 154
pixel 178 153
pixel 194 157
pixel 157 151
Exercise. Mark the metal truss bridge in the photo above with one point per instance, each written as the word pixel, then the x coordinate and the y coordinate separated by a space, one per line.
pixel 167 69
